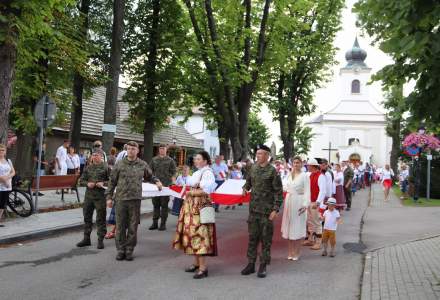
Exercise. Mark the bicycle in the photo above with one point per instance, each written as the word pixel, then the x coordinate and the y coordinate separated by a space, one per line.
pixel 20 203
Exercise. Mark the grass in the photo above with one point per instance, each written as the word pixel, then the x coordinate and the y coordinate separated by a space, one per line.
pixel 422 202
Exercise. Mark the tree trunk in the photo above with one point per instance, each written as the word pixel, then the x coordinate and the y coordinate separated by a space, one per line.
pixel 395 148
pixel 78 86
pixel 111 95
pixel 151 82
pixel 77 112
pixel 249 87
pixel 24 164
pixel 223 138
pixel 148 140
pixel 8 58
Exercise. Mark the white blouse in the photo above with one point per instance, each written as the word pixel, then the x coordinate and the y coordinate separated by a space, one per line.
pixel 339 178
pixel 205 177
pixel 72 161
pixel 387 174
pixel 5 169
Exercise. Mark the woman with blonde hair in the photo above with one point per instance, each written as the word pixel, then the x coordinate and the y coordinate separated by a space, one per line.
pixel 6 173
pixel 294 223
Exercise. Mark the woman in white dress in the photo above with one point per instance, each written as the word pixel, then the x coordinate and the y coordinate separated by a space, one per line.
pixel 293 226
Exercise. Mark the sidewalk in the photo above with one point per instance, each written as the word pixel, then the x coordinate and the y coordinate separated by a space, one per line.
pixel 403 250
pixel 50 223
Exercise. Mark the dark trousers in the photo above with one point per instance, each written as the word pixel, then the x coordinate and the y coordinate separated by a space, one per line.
pixel 160 205
pixel 4 196
pixel 128 214
pixel 100 206
pixel 348 194
pixel 260 231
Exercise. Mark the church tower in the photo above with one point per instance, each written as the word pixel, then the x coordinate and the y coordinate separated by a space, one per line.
pixel 354 129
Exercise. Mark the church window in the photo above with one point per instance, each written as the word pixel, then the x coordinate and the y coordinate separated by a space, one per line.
pixel 352 140
pixel 355 86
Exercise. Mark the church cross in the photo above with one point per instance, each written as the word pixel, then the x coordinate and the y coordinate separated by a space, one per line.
pixel 330 149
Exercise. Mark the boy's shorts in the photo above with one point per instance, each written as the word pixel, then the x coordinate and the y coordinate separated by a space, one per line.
pixel 329 235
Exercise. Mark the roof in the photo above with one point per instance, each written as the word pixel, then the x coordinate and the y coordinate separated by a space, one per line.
pixel 317 119
pixel 356 56
pixel 93 116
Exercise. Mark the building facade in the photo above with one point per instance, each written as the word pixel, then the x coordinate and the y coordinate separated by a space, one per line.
pixel 355 128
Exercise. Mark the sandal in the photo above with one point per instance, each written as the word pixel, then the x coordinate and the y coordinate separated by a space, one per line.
pixel 109 235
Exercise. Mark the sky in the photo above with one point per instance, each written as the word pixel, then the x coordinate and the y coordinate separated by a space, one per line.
pixel 327 97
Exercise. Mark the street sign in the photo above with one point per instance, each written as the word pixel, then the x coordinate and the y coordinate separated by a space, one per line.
pixel 45 112
pixel 429 157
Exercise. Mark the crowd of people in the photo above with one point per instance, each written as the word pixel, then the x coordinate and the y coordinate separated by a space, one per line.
pixel 311 194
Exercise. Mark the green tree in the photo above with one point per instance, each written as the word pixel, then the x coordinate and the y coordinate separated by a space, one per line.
pixel 302 139
pixel 19 20
pixel 155 42
pixel 302 56
pixel 258 132
pixel 408 31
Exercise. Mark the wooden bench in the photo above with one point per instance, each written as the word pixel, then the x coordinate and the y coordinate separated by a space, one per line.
pixel 55 182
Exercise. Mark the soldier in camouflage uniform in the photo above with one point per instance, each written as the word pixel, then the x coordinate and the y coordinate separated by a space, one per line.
pixel 266 198
pixel 94 177
pixel 126 178
pixel 164 168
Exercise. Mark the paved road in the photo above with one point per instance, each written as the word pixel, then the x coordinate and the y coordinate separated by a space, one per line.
pixel 54 269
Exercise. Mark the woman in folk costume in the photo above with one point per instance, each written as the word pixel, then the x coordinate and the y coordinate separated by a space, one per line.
pixel 293 226
pixel 339 182
pixel 191 236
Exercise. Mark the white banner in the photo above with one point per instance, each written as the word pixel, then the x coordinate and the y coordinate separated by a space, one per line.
pixel 150 190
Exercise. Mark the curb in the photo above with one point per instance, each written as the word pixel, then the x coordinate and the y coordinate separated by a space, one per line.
pixel 46 233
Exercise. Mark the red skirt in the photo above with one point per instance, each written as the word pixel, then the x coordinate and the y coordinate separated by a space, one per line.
pixel 387 183
pixel 340 197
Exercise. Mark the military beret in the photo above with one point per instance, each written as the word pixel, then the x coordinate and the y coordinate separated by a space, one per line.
pixel 263 147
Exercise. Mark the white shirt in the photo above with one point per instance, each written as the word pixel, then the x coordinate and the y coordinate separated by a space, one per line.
pixel 5 169
pixel 331 219
pixel 62 156
pixel 339 178
pixel 322 184
pixel 387 174
pixel 181 180
pixel 328 184
pixel 205 177
pixel 220 171
pixel 72 161
pixel 403 175
pixel 121 155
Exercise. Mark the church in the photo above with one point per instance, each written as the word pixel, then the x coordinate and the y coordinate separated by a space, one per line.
pixel 353 130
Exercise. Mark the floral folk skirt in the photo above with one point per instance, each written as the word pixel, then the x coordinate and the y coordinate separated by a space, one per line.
pixel 191 236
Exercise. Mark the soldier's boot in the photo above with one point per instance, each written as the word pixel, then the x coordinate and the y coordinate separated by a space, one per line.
pixel 154 225
pixel 317 245
pixel 85 241
pixel 120 256
pixel 100 243
pixel 163 226
pixel 249 269
pixel 262 271
pixel 129 256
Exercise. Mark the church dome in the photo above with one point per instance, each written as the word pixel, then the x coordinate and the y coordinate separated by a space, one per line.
pixel 356 56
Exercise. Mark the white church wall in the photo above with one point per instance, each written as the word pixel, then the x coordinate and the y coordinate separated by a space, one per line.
pixel 345 80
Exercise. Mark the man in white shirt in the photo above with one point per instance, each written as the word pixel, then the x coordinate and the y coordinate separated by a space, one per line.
pixel 61 159
pixel 220 170
pixel 328 178
pixel 122 154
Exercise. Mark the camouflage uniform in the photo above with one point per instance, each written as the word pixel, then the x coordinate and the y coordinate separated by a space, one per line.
pixel 266 197
pixel 348 175
pixel 94 198
pixel 163 168
pixel 127 177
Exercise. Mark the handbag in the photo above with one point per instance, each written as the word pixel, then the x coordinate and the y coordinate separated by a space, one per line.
pixel 207 215
pixel 207 211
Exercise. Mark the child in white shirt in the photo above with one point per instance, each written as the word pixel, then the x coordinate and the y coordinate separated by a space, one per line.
pixel 331 219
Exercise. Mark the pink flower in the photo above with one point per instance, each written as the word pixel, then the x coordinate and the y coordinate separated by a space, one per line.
pixel 422 140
